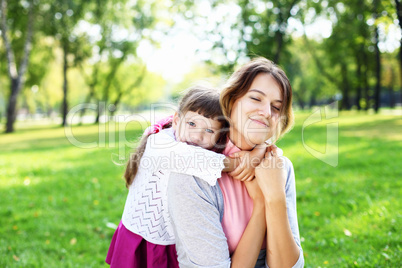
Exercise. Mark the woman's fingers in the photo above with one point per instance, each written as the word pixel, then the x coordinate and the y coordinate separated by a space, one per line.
pixel 275 150
pixel 268 155
pixel 271 176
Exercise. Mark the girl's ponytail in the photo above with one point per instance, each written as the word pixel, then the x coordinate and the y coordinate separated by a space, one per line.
pixel 135 158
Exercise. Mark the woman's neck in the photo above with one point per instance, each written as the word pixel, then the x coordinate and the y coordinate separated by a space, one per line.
pixel 238 139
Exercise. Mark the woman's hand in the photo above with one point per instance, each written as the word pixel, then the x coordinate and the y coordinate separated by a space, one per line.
pixel 254 192
pixel 271 176
pixel 274 150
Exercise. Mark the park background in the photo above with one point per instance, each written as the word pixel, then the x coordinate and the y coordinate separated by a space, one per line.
pixel 61 166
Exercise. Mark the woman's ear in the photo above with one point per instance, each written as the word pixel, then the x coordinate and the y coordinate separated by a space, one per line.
pixel 175 121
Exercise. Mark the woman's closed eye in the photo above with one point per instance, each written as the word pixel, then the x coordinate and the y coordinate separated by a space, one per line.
pixel 276 108
pixel 255 99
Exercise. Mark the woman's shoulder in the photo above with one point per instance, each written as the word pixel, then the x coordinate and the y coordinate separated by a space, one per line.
pixel 287 162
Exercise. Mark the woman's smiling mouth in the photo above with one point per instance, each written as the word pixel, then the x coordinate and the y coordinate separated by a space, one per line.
pixel 259 122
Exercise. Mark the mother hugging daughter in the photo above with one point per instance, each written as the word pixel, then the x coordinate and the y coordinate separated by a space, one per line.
pixel 239 221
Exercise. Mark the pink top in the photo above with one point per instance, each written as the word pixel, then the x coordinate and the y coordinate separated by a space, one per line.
pixel 238 205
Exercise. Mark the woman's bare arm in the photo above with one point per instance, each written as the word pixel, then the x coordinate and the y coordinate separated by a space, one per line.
pixel 276 179
pixel 249 246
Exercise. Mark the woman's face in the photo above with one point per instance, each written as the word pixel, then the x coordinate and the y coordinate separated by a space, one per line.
pixel 255 116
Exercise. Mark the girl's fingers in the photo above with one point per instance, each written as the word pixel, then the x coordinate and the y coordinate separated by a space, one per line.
pixel 235 172
pixel 243 175
pixel 250 178
pixel 238 154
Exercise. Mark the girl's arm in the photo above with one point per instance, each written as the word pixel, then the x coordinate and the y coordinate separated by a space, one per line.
pixel 196 211
pixel 276 178
pixel 241 165
pixel 163 152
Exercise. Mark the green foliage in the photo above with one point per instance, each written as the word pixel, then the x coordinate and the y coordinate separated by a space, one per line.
pixel 201 75
pixel 59 202
pixel 349 215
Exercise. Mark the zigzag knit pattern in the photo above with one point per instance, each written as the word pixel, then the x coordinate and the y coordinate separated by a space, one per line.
pixel 146 209
pixel 145 212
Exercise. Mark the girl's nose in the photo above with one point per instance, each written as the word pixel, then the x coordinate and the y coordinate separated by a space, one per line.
pixel 196 137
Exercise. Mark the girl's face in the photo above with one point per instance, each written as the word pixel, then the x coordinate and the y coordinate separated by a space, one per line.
pixel 195 129
pixel 255 116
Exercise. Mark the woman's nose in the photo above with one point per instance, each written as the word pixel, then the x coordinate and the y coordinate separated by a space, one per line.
pixel 265 111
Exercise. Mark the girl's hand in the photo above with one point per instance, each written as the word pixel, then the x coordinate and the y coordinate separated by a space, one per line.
pixel 249 160
pixel 245 170
pixel 271 176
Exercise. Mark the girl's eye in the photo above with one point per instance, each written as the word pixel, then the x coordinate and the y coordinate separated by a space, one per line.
pixel 192 124
pixel 209 130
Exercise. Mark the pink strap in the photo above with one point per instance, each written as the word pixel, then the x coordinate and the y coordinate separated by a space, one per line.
pixel 158 126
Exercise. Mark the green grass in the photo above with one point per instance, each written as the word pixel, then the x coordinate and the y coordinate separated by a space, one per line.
pixel 57 199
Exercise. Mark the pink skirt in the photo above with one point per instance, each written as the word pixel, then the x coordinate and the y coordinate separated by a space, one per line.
pixel 130 250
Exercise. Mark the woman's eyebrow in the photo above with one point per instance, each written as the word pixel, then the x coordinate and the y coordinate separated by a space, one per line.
pixel 262 93
pixel 257 90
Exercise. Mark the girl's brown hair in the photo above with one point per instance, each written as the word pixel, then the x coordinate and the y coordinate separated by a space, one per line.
pixel 202 100
pixel 240 81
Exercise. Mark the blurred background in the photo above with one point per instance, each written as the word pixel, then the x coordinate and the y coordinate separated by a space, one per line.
pixel 69 68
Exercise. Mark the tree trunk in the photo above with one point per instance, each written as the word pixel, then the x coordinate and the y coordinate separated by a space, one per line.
pixel 378 73
pixel 391 97
pixel 65 83
pixel 279 42
pixel 365 81
pixel 399 14
pixel 16 76
pixel 359 82
pixel 400 63
pixel 109 80
pixel 345 104
pixel 391 90
pixel 12 105
pixel 299 100
pixel 99 111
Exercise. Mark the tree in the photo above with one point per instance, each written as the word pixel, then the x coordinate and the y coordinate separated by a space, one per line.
pixel 134 18
pixel 63 17
pixel 16 72
pixel 265 26
pixel 377 58
pixel 398 6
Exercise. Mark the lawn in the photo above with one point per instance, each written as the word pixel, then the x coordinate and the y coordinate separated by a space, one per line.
pixel 60 202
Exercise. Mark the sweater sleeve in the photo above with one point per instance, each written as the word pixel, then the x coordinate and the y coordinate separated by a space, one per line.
pixel 196 211
pixel 290 189
pixel 165 153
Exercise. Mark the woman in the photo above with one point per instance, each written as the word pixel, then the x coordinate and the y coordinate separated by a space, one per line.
pixel 226 225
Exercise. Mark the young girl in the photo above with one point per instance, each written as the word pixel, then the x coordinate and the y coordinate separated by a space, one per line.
pixel 144 237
